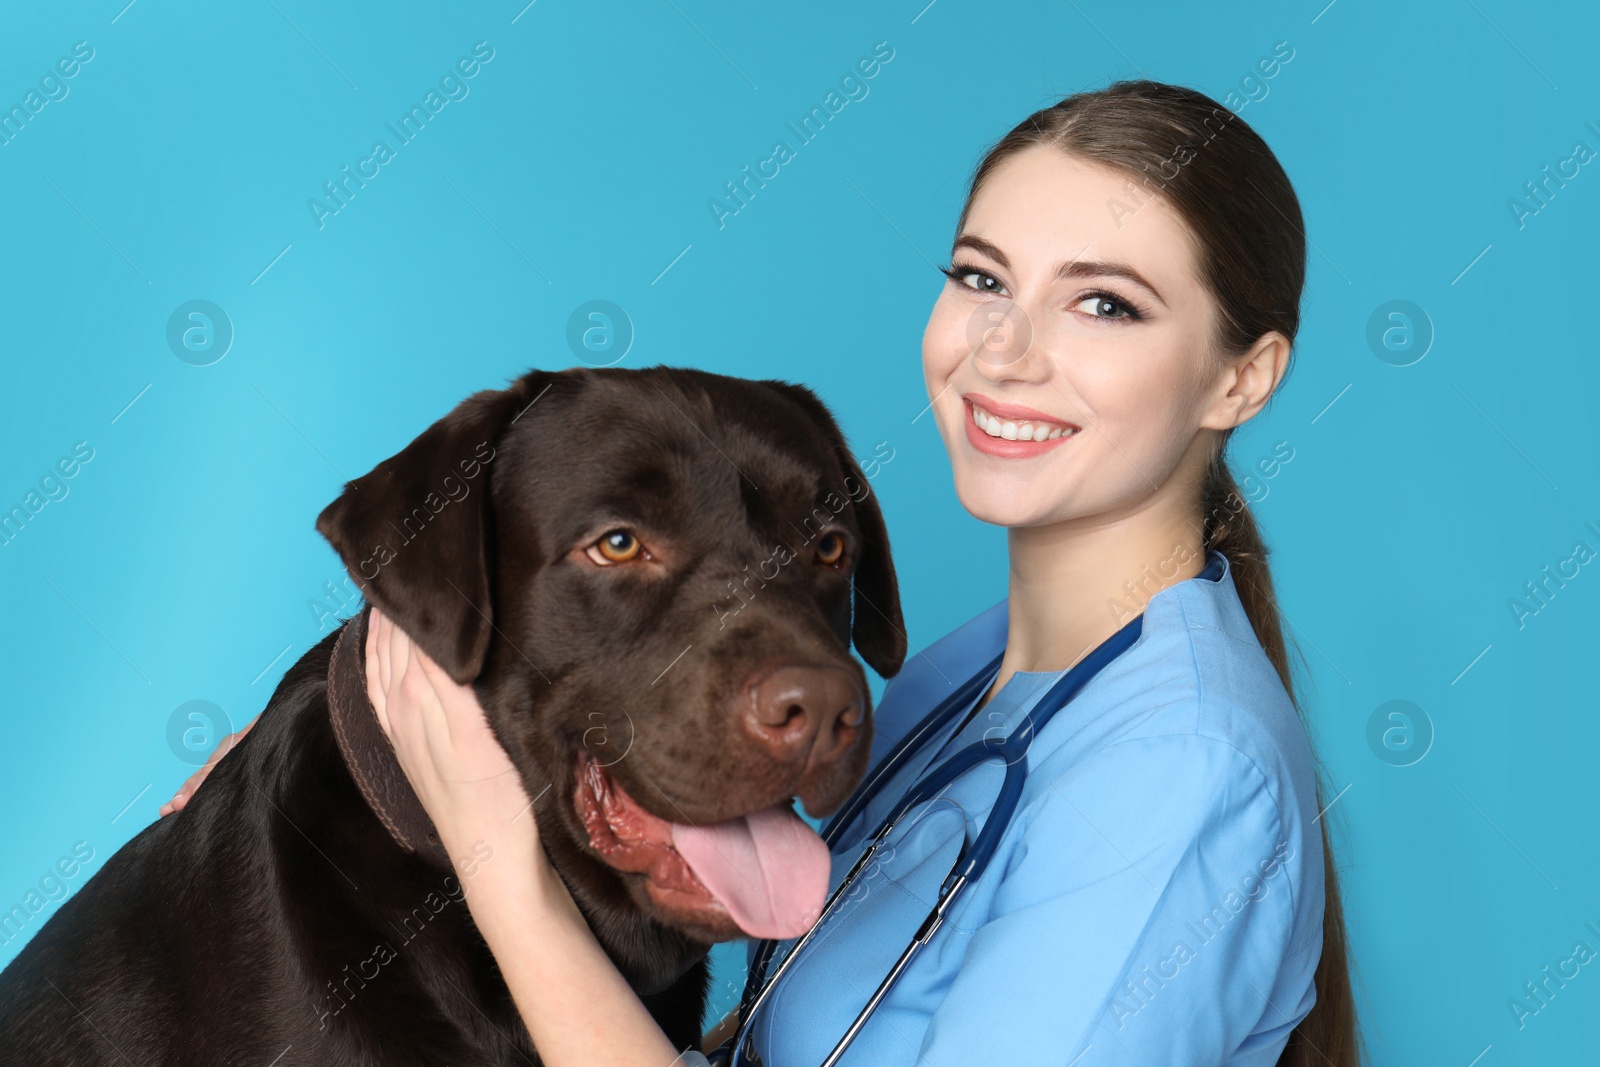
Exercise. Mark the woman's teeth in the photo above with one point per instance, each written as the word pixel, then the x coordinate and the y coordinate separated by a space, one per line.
pixel 1012 430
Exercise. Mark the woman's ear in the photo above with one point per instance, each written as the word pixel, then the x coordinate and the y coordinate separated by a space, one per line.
pixel 416 532
pixel 1246 382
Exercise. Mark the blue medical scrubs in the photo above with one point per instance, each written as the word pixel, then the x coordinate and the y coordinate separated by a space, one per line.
pixel 1157 899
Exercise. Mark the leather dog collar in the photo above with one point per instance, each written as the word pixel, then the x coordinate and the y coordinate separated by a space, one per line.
pixel 367 751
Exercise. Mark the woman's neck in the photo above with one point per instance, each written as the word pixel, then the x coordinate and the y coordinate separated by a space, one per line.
pixel 1074 585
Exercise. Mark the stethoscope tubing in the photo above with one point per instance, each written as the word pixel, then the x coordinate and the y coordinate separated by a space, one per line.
pixel 970 862
pixel 935 720
pixel 869 789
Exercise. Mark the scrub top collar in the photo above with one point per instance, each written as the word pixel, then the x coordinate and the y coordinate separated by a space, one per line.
pixel 930 676
pixel 954 659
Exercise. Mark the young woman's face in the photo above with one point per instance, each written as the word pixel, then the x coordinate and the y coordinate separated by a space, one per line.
pixel 1068 355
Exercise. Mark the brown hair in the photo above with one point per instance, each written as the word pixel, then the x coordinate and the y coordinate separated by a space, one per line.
pixel 1230 190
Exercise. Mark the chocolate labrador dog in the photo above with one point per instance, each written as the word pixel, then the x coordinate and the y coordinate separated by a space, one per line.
pixel 651 579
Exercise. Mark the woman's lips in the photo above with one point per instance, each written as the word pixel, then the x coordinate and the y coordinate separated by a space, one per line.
pixel 1018 430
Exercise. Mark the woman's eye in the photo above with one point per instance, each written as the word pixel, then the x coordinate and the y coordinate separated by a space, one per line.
pixel 1105 306
pixel 618 546
pixel 976 280
pixel 830 549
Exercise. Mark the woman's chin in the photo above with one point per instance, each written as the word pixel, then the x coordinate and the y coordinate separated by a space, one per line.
pixel 999 504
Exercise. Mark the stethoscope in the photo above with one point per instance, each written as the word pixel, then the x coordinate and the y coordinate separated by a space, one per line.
pixel 971 861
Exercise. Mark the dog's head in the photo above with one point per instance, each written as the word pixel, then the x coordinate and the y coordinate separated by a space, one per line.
pixel 652 580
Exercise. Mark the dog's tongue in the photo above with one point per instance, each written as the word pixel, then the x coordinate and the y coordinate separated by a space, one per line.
pixel 769 869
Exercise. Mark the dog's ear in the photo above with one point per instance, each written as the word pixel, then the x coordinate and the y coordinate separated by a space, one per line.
pixel 876 626
pixel 416 533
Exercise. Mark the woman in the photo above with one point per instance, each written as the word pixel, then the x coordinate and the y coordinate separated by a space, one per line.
pixel 1124 293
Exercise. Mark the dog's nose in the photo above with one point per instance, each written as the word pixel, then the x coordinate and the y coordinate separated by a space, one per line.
pixel 808 715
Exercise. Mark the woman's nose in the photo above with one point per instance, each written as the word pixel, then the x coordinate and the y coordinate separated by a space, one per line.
pixel 1004 344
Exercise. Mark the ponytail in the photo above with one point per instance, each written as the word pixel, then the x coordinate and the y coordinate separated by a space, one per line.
pixel 1328 1034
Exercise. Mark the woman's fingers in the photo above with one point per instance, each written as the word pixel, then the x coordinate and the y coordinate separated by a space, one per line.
pixel 181 799
pixel 454 722
pixel 446 714
pixel 412 715
pixel 374 672
pixel 380 623
pixel 456 717
pixel 415 716
pixel 442 741
pixel 411 703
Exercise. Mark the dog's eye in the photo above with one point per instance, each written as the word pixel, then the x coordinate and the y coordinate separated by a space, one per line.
pixel 830 549
pixel 618 546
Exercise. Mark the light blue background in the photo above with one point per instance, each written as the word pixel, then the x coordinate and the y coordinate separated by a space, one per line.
pixel 579 167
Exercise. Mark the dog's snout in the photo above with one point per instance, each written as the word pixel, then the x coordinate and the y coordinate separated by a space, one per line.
pixel 802 714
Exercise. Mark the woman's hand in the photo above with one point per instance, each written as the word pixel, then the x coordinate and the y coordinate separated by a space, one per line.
pixel 186 790
pixel 576 1005
pixel 463 777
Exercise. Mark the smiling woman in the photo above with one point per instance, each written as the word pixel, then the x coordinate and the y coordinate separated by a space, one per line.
pixel 1158 333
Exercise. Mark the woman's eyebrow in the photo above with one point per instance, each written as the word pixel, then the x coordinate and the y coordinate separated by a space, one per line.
pixel 988 248
pixel 1078 268
pixel 1088 268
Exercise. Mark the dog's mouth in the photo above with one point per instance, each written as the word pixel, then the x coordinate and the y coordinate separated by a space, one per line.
pixel 764 874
